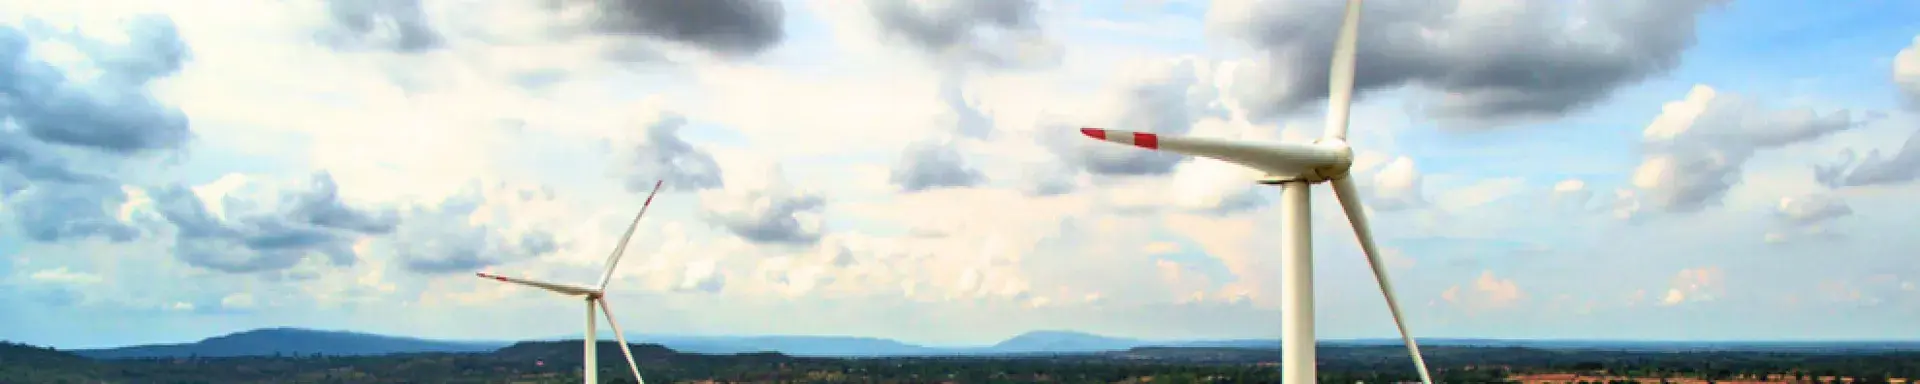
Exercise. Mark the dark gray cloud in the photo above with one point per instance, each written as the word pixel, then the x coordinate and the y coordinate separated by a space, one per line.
pixel 771 215
pixel 1168 99
pixel 254 236
pixel 952 30
pixel 931 164
pixel 728 27
pixel 24 159
pixel 54 211
pixel 1874 169
pixel 391 25
pixel 440 238
pixel 1695 150
pixel 112 113
pixel 1497 60
pixel 58 130
pixel 663 155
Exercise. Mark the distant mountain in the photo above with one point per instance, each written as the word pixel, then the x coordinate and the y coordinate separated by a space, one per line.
pixel 290 341
pixel 843 346
pixel 1063 342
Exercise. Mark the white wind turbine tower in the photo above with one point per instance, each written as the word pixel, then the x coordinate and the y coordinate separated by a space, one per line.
pixel 596 298
pixel 1295 166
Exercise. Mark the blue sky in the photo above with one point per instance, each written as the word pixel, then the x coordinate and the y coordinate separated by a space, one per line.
pixel 911 169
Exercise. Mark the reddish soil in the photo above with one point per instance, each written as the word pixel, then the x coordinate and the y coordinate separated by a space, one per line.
pixel 1547 378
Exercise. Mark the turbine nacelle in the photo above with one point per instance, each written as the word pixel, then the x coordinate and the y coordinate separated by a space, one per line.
pixel 1319 161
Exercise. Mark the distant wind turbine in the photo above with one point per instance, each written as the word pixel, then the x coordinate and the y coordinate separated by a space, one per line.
pixel 596 298
pixel 1295 166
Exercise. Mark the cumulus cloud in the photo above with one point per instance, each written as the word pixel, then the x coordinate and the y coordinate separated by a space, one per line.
pixel 1906 71
pixel 1214 186
pixel 1486 292
pixel 482 226
pixel 1161 96
pixel 1697 145
pixel 967 120
pixel 90 107
pixel 1485 59
pixel 1812 209
pixel 392 25
pixel 1572 194
pixel 1397 186
pixel 730 27
pixel 619 31
pixel 1695 285
pixel 998 33
pixel 64 276
pixel 660 154
pixel 1803 216
pixel 110 110
pixel 1874 169
pixel 241 225
pixel 769 210
pixel 933 164
pixel 56 211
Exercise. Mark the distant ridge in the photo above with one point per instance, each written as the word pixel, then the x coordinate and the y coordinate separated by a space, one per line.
pixel 290 341
pixel 296 341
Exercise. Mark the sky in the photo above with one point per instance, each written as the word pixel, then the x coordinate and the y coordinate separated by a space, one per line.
pixel 912 169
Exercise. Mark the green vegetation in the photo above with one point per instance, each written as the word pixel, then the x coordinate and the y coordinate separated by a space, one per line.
pixel 1339 364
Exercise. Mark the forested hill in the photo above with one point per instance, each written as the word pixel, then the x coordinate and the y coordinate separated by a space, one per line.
pixel 291 341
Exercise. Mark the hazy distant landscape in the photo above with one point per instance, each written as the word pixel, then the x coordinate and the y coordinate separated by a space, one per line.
pixel 295 341
pixel 301 355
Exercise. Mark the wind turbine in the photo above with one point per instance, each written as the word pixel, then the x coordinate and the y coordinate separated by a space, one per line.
pixel 596 299
pixel 1294 167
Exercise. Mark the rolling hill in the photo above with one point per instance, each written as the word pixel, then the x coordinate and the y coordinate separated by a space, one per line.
pixel 290 341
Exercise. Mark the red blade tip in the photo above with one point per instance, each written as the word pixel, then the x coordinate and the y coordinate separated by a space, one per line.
pixel 1096 133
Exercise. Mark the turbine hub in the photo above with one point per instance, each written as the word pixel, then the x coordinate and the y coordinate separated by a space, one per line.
pixel 1339 168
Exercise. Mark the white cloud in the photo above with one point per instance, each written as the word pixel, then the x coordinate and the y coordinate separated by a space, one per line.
pixel 63 276
pixel 1488 292
pixel 1695 285
pixel 1906 69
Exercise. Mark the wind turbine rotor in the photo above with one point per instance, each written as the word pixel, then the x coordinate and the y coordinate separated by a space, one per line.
pixel 1295 167
pixel 595 297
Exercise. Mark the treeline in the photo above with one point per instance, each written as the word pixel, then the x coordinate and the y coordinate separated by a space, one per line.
pixel 558 362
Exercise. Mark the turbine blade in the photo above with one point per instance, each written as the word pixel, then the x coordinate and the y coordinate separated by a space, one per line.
pixel 1340 75
pixel 614 259
pixel 617 335
pixel 1349 197
pixel 1276 159
pixel 557 288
